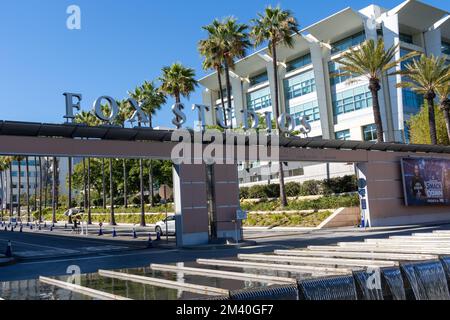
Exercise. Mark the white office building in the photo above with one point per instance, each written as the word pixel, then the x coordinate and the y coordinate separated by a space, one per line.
pixel 336 108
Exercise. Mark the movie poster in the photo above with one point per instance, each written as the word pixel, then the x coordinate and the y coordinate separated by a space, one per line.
pixel 426 181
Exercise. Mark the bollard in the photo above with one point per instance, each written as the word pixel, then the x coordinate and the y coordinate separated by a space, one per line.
pixel 21 228
pixel 100 231
pixel 158 236
pixel 40 227
pixel 134 234
pixel 8 252
pixel 114 233
pixel 149 242
pixel 31 227
pixel 51 228
pixel 12 228
pixel 45 224
pixel 65 226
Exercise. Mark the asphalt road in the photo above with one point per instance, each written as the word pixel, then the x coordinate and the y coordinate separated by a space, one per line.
pixel 107 253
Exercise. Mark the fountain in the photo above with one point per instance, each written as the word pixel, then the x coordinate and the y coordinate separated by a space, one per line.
pixel 275 292
pixel 392 284
pixel 330 288
pixel 425 281
pixel 363 287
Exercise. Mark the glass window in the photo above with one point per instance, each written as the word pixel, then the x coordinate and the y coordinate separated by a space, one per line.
pixel 370 133
pixel 412 102
pixel 259 99
pixel 343 135
pixel 351 100
pixel 258 79
pixel 299 62
pixel 309 110
pixel 348 42
pixel 406 38
pixel 300 85
pixel 335 68
pixel 446 48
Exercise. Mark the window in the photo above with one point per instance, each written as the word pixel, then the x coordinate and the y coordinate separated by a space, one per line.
pixel 259 99
pixel 406 38
pixel 370 133
pixel 352 100
pixel 309 110
pixel 296 172
pixel 335 68
pixel 300 85
pixel 348 42
pixel 412 102
pixel 299 62
pixel 343 135
pixel 446 48
pixel 258 79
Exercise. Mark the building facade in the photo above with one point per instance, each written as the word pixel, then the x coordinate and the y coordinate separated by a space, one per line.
pixel 335 107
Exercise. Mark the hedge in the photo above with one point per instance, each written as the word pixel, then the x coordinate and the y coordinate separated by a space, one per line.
pixel 338 185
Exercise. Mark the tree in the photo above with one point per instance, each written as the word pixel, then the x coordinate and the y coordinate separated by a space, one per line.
pixel 277 27
pixel 227 41
pixel 443 92
pixel 89 119
pixel 178 81
pixel 425 76
pixel 4 166
pixel 419 127
pixel 371 61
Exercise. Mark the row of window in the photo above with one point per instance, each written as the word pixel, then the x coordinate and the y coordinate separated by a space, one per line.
pixel 335 68
pixel 412 102
pixel 23 174
pixel 309 110
pixel 299 62
pixel 24 163
pixel 260 99
pixel 300 85
pixel 352 100
pixel 347 43
pixel 369 133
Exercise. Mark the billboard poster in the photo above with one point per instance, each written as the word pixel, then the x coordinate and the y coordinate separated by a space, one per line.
pixel 426 182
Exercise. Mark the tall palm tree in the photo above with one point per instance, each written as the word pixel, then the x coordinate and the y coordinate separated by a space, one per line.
pixel 111 193
pixel 124 113
pixel 425 76
pixel 18 160
pixel 213 59
pixel 40 189
pixel 3 167
pixel 227 41
pixel 27 169
pixel 89 119
pixel 443 92
pixel 54 188
pixel 371 61
pixel 178 81
pixel 277 27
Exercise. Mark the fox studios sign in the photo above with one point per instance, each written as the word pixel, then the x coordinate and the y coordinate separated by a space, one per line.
pixel 250 118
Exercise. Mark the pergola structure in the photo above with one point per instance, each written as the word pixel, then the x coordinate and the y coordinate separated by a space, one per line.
pixel 378 165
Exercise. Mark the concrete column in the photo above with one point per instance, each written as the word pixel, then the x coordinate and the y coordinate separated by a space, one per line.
pixel 433 42
pixel 391 37
pixel 370 28
pixel 238 97
pixel 191 208
pixel 209 99
pixel 281 74
pixel 322 78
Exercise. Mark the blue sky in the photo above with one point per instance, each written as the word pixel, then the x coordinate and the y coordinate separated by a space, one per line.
pixel 120 44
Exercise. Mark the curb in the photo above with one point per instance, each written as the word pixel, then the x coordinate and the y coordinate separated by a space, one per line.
pixel 221 246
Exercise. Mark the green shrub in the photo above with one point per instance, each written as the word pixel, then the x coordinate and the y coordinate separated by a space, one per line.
pixel 244 193
pixel 340 185
pixel 293 189
pixel 311 188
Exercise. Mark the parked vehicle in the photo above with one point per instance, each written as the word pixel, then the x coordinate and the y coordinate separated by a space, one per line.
pixel 166 224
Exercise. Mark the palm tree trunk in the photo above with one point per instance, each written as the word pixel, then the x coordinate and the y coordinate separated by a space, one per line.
pixel 69 204
pixel 40 189
pixel 35 183
pixel 374 87
pixel 19 189
pixel 141 178
pixel 177 100
pixel 84 185
pixel 283 197
pixel 2 196
pixel 228 85
pixel 447 120
pixel 46 184
pixel 219 78
pixel 103 184
pixel 11 191
pixel 125 200
pixel 27 162
pixel 54 194
pixel 111 192
pixel 430 96
pixel 89 192
pixel 150 182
